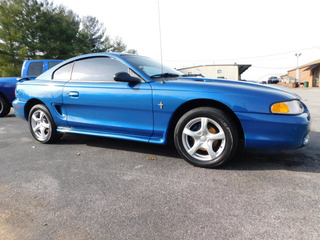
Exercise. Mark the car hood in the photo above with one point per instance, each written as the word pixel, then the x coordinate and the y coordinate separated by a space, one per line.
pixel 232 86
pixel 237 95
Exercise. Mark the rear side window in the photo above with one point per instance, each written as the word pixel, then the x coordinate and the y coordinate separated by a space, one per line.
pixel 35 69
pixel 100 69
pixel 63 73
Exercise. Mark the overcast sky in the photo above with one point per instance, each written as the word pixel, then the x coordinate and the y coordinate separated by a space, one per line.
pixel 264 33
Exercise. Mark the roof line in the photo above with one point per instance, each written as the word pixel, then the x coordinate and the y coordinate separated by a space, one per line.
pixel 306 65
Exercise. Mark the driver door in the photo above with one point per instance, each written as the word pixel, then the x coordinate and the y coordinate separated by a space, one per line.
pixel 96 103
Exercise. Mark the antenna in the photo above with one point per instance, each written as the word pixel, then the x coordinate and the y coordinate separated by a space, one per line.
pixel 160 36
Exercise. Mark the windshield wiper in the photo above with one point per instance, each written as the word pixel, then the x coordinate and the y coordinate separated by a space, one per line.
pixel 165 75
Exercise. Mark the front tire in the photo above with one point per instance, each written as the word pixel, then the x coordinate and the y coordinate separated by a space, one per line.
pixel 41 125
pixel 206 137
pixel 4 106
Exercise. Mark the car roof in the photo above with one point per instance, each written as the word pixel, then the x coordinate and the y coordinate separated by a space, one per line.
pixel 48 74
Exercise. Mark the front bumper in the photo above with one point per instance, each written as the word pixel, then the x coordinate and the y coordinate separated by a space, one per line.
pixel 268 132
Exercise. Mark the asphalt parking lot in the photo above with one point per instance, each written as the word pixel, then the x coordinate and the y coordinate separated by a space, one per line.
pixel 97 188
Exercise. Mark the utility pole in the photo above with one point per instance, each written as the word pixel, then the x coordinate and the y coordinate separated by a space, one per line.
pixel 298 70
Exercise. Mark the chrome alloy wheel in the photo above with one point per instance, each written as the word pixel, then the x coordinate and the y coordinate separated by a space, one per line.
pixel 1 106
pixel 40 125
pixel 204 139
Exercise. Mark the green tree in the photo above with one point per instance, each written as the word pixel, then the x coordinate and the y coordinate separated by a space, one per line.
pixel 94 33
pixel 33 29
pixel 29 21
pixel 30 29
pixel 11 49
pixel 57 32
pixel 118 45
pixel 113 45
pixel 132 51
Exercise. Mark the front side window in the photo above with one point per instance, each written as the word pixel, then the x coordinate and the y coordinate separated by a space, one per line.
pixel 35 69
pixel 150 66
pixel 100 69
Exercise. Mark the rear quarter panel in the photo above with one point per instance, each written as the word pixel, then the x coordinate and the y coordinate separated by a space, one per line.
pixel 47 92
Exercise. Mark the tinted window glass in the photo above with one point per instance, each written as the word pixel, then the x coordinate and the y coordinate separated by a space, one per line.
pixel 148 65
pixel 52 64
pixel 63 73
pixel 97 69
pixel 35 69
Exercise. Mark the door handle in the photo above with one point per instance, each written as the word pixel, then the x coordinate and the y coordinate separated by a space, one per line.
pixel 74 94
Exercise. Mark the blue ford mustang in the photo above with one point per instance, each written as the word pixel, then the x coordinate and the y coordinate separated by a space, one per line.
pixel 136 98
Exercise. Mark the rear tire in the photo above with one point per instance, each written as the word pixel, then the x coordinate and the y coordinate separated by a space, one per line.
pixel 41 125
pixel 4 106
pixel 206 137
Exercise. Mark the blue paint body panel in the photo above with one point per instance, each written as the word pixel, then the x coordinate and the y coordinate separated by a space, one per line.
pixel 114 108
pixel 274 132
pixel 144 111
pixel 8 85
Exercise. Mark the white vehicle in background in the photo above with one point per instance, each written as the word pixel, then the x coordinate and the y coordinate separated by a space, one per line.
pixel 273 80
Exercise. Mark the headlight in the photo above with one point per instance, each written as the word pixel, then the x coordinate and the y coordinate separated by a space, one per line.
pixel 289 107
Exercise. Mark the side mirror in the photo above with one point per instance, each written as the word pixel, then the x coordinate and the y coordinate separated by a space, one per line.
pixel 125 77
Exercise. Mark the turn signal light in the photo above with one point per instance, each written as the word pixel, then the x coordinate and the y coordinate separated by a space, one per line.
pixel 280 108
pixel 289 107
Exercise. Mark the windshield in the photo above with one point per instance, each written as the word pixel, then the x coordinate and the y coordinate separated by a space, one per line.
pixel 151 67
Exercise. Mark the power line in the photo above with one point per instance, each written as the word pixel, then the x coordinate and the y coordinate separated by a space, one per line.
pixel 246 58
pixel 276 54
pixel 253 66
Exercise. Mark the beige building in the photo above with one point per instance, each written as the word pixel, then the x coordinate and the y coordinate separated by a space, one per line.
pixel 228 71
pixel 309 74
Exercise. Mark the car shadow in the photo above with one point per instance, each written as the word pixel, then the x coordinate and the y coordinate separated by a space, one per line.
pixel 118 144
pixel 305 159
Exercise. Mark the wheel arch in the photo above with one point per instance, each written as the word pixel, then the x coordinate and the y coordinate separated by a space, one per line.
pixel 5 98
pixel 203 103
pixel 5 105
pixel 32 102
